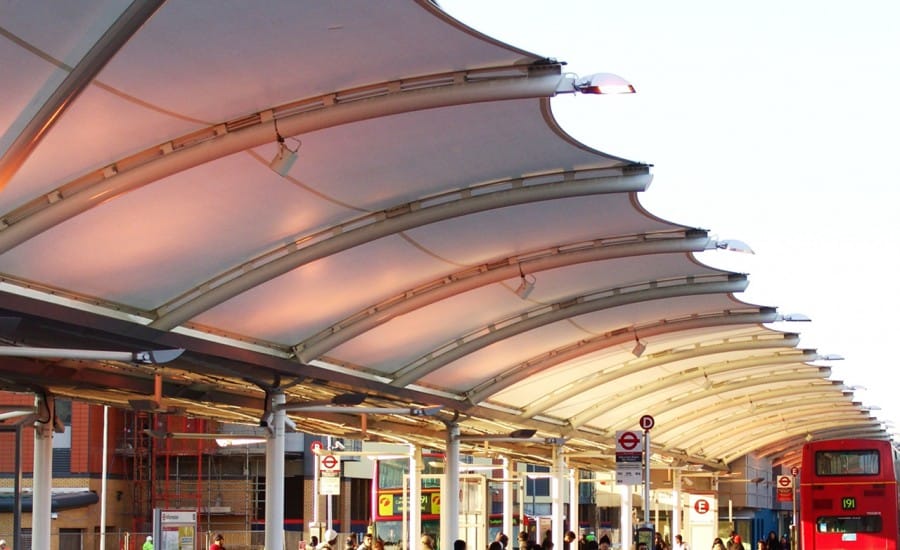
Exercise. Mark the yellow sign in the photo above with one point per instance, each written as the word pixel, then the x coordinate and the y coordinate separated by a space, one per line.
pixel 386 505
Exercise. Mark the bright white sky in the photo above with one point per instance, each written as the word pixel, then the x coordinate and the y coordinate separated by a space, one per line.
pixel 771 122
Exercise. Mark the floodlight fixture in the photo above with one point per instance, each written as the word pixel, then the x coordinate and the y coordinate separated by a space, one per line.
pixel 639 347
pixel 603 83
pixel 830 357
pixel 526 285
pixel 732 245
pixel 233 442
pixel 515 435
pixel 149 357
pixel 410 411
pixel 793 317
pixel 157 357
pixel 285 157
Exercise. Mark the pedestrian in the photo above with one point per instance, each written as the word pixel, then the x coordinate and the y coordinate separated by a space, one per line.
pixel 680 544
pixel 735 543
pixel 367 541
pixel 313 542
pixel 218 542
pixel 523 540
pixel 547 543
pixel 718 544
pixel 495 545
pixel 772 542
pixel 605 543
pixel 659 543
pixel 459 544
pixel 378 544
pixel 351 543
pixel 568 539
pixel 329 540
pixel 426 542
pixel 148 543
pixel 502 539
pixel 2 544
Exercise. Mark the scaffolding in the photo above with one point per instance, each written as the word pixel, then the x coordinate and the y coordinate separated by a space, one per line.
pixel 225 486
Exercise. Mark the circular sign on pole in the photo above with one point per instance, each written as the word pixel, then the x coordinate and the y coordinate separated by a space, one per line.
pixel 329 462
pixel 701 506
pixel 647 422
pixel 785 481
pixel 315 446
pixel 795 471
pixel 629 441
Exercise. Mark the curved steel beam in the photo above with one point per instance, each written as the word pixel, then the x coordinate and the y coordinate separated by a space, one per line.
pixel 309 248
pixel 577 387
pixel 750 363
pixel 738 406
pixel 757 439
pixel 79 78
pixel 788 451
pixel 732 426
pixel 221 140
pixel 816 382
pixel 767 435
pixel 544 315
pixel 749 440
pixel 485 274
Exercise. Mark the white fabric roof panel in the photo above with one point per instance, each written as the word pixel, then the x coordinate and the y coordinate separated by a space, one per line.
pixel 431 177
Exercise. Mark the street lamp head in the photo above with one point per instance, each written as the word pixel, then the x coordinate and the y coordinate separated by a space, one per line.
pixel 603 83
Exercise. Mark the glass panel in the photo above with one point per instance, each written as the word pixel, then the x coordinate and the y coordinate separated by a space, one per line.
pixel 849 524
pixel 847 463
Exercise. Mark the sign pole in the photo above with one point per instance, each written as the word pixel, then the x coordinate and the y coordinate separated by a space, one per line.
pixel 646 476
pixel 647 424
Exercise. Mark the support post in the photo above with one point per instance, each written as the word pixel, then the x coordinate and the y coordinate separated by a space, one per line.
pixel 415 496
pixel 275 475
pixel 43 472
pixel 103 481
pixel 17 489
pixel 450 500
pixel 558 483
pixel 625 516
pixel 507 499
pixel 574 501
pixel 676 503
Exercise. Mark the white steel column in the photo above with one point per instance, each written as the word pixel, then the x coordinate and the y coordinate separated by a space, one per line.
pixel 507 499
pixel 574 487
pixel 557 486
pixel 103 476
pixel 676 503
pixel 523 481
pixel 275 474
pixel 625 516
pixel 450 500
pixel 415 496
pixel 43 473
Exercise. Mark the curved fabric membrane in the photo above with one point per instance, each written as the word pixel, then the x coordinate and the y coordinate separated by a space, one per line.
pixel 438 240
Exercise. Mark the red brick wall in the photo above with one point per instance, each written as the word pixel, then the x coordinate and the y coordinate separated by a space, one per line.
pixel 8 439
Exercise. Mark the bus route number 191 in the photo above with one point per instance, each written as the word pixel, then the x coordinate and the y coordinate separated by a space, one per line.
pixel 848 503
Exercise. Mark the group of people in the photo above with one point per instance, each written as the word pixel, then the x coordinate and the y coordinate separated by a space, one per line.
pixel 218 543
pixel 330 542
pixel 772 542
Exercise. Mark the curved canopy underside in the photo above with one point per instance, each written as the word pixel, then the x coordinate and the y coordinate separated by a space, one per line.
pixel 438 241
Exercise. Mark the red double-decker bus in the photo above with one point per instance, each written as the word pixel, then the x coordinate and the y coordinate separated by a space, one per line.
pixel 848 495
